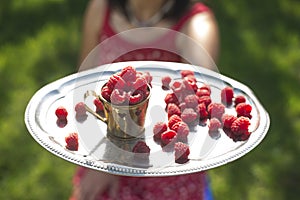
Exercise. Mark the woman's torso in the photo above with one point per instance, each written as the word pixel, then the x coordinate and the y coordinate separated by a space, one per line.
pixel 122 43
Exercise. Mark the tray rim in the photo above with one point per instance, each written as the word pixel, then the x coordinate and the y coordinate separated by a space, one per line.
pixel 116 169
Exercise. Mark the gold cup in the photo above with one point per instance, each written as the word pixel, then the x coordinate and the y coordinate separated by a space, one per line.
pixel 123 121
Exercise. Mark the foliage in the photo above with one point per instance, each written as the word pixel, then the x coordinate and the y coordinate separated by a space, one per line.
pixel 260 46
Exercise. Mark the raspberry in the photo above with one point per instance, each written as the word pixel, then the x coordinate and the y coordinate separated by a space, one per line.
pixel 190 83
pixel 185 73
pixel 202 92
pixel 168 136
pixel 173 109
pixel 141 147
pixel 173 120
pixel 158 129
pixel 239 129
pixel 99 105
pixel 72 142
pixel 182 106
pixel 227 120
pixel 191 77
pixel 146 75
pixel 244 109
pixel 128 74
pixel 80 108
pixel 171 98
pixel 239 99
pixel 191 101
pixel 205 99
pixel 115 82
pixel 205 87
pixel 182 130
pixel 117 97
pixel 202 111
pixel 140 84
pixel 136 97
pixel 214 125
pixel 128 86
pixel 106 92
pixel 61 112
pixel 182 151
pixel 189 115
pixel 216 110
pixel 177 87
pixel 166 80
pixel 227 95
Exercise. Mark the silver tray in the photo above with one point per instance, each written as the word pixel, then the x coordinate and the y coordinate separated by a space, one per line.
pixel 98 152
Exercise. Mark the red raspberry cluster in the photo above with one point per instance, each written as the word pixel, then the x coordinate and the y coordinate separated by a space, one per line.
pixel 236 127
pixel 170 134
pixel 127 87
pixel 193 104
pixel 176 130
pixel 182 109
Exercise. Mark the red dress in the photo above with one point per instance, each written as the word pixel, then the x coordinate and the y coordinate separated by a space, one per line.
pixel 190 186
pixel 113 47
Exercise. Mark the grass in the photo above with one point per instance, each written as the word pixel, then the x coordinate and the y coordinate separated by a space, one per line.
pixel 260 46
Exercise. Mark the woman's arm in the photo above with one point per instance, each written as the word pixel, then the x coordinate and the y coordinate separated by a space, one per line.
pixel 202 30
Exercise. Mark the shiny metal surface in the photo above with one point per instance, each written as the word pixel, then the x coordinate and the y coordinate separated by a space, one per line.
pixel 99 151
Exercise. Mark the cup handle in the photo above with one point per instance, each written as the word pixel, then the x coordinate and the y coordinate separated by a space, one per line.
pixel 86 95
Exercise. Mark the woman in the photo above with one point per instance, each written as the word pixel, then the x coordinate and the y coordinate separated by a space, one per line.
pixel 105 19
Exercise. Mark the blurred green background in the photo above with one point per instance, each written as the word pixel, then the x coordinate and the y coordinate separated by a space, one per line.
pixel 260 46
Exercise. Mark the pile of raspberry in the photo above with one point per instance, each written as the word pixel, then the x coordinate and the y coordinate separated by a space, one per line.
pixel 188 105
pixel 127 87
pixel 173 136
pixel 236 126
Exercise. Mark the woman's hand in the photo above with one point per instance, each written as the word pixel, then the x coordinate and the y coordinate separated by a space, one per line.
pixel 94 183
